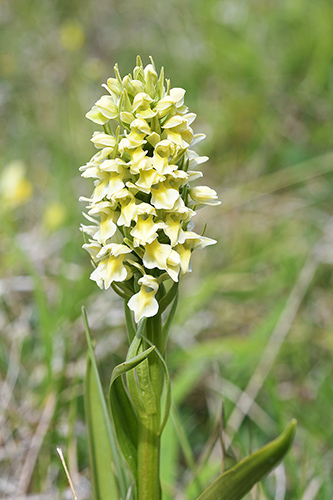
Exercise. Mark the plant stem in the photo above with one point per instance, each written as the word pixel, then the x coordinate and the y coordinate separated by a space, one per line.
pixel 148 484
pixel 149 424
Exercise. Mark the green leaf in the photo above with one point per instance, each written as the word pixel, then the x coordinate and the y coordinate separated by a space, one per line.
pixel 130 327
pixel 124 415
pixel 167 403
pixel 103 479
pixel 237 481
pixel 103 452
pixel 171 314
pixel 168 297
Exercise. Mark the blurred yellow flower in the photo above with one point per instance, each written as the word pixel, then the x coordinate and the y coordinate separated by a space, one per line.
pixel 71 36
pixel 54 216
pixel 93 68
pixel 15 188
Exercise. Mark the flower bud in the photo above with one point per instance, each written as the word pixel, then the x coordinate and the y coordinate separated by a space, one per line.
pixel 204 195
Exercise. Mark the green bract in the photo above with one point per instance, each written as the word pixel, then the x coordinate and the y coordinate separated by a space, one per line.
pixel 144 200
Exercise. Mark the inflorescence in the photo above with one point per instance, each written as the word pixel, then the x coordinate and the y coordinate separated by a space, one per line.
pixel 141 209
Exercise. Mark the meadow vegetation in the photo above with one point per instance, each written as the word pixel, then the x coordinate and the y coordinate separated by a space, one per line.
pixel 252 343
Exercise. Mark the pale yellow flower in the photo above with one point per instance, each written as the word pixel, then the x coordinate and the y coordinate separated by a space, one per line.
pixel 178 131
pixel 128 206
pixel 102 140
pixel 172 103
pixel 96 116
pixel 204 195
pixel 15 188
pixel 156 255
pixel 138 160
pixel 136 138
pixel 173 263
pixel 111 176
pixel 101 155
pixel 113 86
pixel 93 248
pixel 151 78
pixel 163 195
pixel 90 230
pixel 111 267
pixel 133 87
pixel 141 106
pixel 144 209
pixel 148 177
pixel 185 253
pixel 104 110
pixel 162 152
pixel 174 222
pixel 194 158
pixel 143 303
pixel 145 230
pixel 192 241
pixel 107 226
pixel 91 169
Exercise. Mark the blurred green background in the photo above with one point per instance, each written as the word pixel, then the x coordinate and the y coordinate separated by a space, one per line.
pixel 259 75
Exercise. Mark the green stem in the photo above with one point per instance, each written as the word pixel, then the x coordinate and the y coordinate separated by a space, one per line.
pixel 148 484
pixel 149 424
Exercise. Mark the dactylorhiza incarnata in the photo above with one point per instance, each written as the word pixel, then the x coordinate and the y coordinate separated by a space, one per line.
pixel 141 209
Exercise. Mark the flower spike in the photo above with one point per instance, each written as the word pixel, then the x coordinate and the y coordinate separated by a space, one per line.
pixel 143 197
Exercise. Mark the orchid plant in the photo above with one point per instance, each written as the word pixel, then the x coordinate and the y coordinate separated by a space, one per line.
pixel 140 237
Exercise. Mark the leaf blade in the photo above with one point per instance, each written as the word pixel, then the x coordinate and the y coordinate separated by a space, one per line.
pixel 96 410
pixel 124 415
pixel 104 482
pixel 237 481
